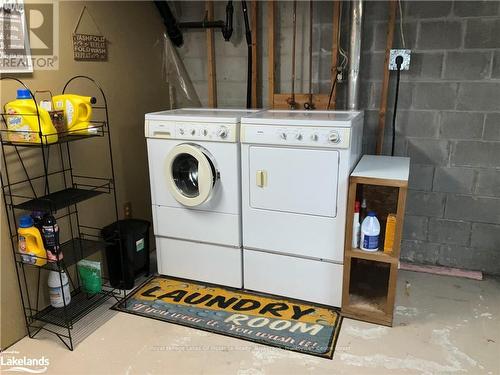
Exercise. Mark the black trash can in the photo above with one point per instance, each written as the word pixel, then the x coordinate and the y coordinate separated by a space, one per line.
pixel 134 237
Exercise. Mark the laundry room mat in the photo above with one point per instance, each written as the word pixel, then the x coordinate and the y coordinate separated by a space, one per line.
pixel 265 319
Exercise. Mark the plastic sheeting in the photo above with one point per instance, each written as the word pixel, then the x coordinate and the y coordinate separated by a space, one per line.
pixel 181 90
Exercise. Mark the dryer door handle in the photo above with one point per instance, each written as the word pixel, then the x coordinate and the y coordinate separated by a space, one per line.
pixel 261 178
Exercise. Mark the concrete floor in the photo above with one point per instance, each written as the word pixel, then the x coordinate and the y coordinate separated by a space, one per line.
pixel 442 325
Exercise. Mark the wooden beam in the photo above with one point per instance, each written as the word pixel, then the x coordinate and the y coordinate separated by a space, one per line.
pixel 212 77
pixel 337 8
pixel 385 83
pixel 271 46
pixel 254 10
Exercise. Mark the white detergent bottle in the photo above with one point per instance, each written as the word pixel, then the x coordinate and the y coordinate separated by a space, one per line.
pixel 370 232
pixel 56 289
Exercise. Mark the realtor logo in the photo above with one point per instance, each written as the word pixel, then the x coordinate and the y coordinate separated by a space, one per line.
pixel 40 20
pixel 29 36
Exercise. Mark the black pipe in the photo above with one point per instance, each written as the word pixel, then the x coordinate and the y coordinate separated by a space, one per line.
pixel 226 27
pixel 202 24
pixel 173 31
pixel 248 35
pixel 227 30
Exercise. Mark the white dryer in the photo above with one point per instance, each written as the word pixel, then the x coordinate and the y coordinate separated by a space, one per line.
pixel 194 166
pixel 295 171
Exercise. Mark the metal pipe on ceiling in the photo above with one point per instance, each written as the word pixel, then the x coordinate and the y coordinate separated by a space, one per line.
pixel 354 54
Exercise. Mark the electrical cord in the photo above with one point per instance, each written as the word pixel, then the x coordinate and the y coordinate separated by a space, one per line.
pixel 334 83
pixel 401 24
pixel 399 62
pixel 248 36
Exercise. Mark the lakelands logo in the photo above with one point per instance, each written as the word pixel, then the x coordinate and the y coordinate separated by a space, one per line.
pixel 29 36
pixel 11 361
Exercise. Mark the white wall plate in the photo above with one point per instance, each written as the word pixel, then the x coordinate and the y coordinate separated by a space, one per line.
pixel 405 53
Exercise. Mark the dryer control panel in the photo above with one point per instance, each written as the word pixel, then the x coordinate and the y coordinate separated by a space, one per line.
pixel 296 136
pixel 195 131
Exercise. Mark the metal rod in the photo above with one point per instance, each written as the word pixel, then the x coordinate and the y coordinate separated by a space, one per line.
pixel 26 172
pixel 38 288
pixel 337 12
pixel 47 191
pixel 354 54
pixel 291 101
pixel 36 178
pixel 68 214
pixel 26 288
pixel 310 104
pixel 75 206
pixel 12 223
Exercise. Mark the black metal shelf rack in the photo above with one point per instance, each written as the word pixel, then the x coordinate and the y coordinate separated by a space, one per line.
pixel 31 193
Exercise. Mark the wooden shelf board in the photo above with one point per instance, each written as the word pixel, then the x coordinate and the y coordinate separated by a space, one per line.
pixel 363 315
pixel 378 181
pixel 378 256
pixel 367 309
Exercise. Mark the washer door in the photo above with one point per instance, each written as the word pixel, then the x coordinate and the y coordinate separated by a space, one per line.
pixel 191 174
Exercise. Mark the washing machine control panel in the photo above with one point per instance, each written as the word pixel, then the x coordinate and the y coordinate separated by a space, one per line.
pixel 192 131
pixel 297 136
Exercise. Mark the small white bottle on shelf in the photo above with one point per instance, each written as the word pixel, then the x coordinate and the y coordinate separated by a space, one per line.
pixel 356 226
pixel 58 289
pixel 370 232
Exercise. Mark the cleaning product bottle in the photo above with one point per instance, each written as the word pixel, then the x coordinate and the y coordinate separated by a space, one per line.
pixel 30 243
pixel 37 217
pixel 370 232
pixel 22 121
pixel 50 233
pixel 77 112
pixel 390 233
pixel 57 289
pixel 362 211
pixel 356 226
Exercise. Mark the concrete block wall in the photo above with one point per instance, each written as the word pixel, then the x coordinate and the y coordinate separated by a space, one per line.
pixel 448 114
pixel 448 123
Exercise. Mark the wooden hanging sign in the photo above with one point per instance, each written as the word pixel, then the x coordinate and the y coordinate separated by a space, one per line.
pixel 88 47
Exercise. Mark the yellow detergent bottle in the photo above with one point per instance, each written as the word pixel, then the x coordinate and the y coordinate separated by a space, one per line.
pixel 30 244
pixel 77 111
pixel 22 121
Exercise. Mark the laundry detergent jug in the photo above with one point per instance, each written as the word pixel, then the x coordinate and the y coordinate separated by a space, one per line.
pixel 22 121
pixel 30 244
pixel 77 111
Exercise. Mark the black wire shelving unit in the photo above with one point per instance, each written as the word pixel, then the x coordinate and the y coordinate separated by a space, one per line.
pixel 37 193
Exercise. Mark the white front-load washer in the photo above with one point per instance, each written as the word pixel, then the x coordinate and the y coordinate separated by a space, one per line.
pixel 194 166
pixel 295 172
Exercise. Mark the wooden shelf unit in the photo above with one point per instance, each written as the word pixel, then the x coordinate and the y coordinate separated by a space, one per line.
pixel 370 278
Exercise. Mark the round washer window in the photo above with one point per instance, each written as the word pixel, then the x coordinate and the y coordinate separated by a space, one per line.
pixel 185 174
pixel 191 174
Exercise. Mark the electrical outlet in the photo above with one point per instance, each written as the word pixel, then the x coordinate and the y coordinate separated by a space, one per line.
pixel 127 210
pixel 405 54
